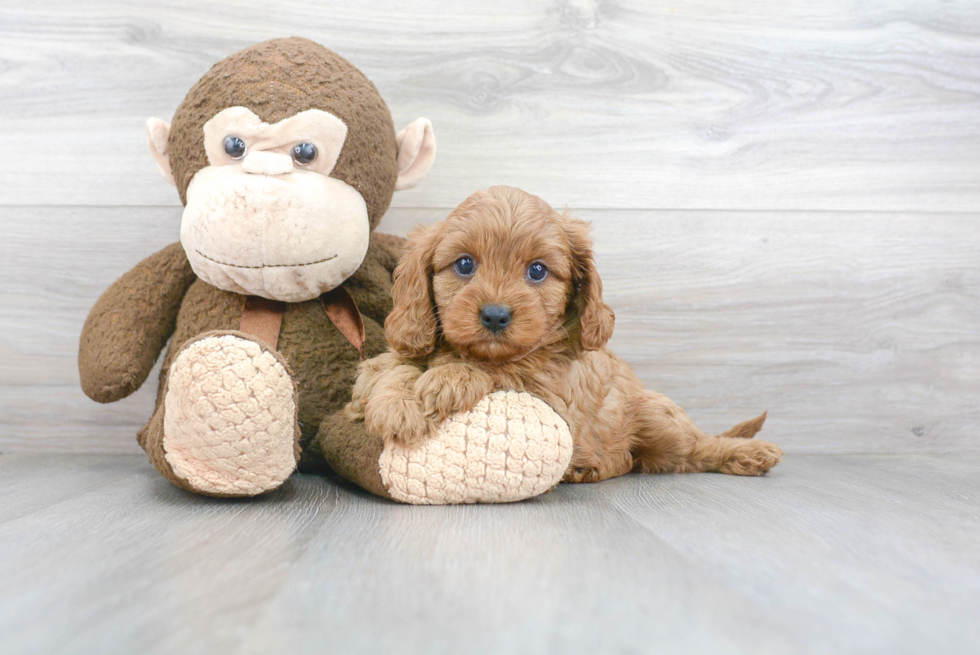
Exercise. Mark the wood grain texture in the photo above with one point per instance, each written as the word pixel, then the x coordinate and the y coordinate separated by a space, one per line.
pixel 785 203
pixel 827 554
pixel 856 331
pixel 613 104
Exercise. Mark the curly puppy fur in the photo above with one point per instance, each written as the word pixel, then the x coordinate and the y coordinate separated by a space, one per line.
pixel 444 357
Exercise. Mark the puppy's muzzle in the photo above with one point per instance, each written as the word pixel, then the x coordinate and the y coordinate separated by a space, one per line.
pixel 495 318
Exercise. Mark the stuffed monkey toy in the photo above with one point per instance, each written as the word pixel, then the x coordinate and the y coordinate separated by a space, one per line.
pixel 285 157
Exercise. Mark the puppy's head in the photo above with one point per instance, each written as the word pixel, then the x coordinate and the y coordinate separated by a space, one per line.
pixel 503 275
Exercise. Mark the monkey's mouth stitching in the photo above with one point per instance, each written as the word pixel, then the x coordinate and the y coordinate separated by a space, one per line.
pixel 319 261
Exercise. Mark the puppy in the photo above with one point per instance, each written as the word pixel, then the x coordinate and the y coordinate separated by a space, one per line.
pixel 504 294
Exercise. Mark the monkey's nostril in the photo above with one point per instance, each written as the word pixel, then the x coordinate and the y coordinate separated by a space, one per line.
pixel 495 318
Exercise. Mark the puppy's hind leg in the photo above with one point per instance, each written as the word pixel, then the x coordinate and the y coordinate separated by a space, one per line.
pixel 666 440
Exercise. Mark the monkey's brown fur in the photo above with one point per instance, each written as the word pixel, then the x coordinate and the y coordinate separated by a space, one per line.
pixel 445 360
pixel 117 350
pixel 161 298
pixel 277 79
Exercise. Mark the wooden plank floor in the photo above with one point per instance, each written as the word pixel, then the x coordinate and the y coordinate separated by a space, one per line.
pixel 828 554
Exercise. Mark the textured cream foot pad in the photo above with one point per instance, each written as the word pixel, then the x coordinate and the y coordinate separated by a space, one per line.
pixel 229 417
pixel 511 446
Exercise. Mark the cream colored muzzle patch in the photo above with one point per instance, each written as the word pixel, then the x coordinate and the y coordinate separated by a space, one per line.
pixel 511 446
pixel 290 237
pixel 229 417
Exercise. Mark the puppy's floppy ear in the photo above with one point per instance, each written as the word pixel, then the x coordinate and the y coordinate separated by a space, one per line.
pixel 411 327
pixel 596 318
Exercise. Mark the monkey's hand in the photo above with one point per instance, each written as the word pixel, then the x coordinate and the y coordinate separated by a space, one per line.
pixel 130 323
pixel 450 388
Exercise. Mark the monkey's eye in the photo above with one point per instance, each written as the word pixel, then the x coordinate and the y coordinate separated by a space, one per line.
pixel 235 147
pixel 304 153
pixel 465 266
pixel 537 272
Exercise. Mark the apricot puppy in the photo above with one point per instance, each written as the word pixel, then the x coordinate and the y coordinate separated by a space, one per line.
pixel 504 294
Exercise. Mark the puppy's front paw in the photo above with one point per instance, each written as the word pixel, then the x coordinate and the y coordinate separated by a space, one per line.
pixel 446 390
pixel 400 421
pixel 752 458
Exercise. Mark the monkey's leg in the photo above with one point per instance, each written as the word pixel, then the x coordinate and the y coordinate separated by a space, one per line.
pixel 352 453
pixel 667 441
pixel 227 425
pixel 511 446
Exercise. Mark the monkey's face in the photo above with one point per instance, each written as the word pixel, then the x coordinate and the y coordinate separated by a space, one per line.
pixel 264 217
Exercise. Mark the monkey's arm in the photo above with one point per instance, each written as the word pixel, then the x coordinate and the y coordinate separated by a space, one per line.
pixel 130 324
pixel 391 247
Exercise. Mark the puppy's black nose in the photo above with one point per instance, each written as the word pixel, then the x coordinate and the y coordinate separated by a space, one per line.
pixel 495 318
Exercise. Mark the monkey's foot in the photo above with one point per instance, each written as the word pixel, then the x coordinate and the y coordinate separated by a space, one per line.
pixel 229 425
pixel 511 446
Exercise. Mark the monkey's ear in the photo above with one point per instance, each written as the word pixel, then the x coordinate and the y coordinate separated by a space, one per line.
pixel 157 137
pixel 416 152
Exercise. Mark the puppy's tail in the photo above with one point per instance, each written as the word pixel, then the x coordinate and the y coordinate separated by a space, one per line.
pixel 746 429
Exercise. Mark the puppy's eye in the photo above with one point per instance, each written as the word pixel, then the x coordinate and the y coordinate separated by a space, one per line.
pixel 465 266
pixel 234 147
pixel 537 272
pixel 304 153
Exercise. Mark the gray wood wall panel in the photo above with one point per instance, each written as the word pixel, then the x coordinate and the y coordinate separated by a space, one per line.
pixel 621 104
pixel 858 332
pixel 785 195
